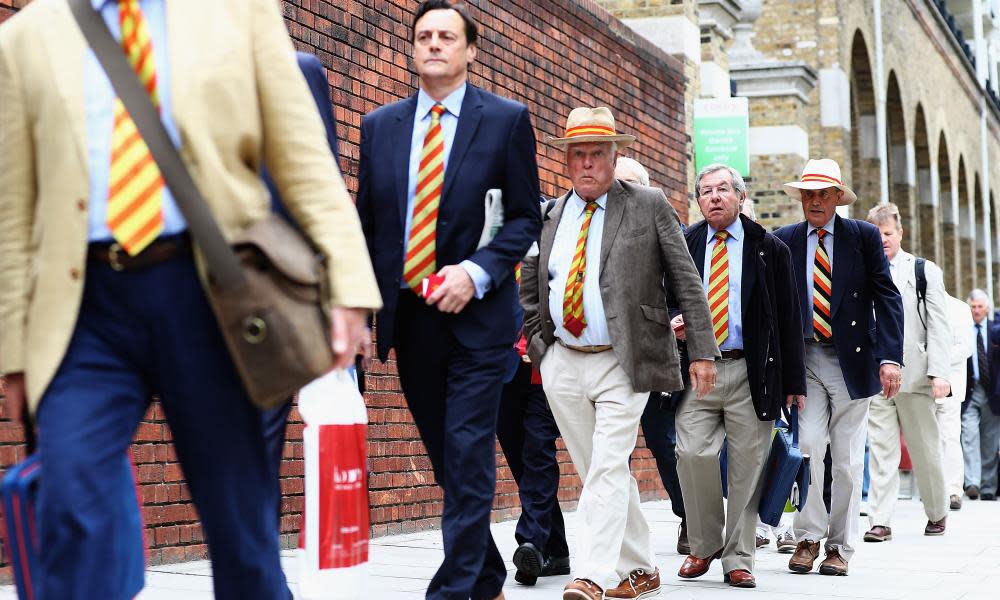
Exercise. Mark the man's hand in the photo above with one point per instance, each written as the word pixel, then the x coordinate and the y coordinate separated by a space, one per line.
pixel 455 292
pixel 940 388
pixel 16 397
pixel 702 377
pixel 677 324
pixel 351 335
pixel 797 399
pixel 891 377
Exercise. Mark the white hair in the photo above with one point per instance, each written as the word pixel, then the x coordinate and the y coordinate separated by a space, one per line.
pixel 637 169
pixel 978 294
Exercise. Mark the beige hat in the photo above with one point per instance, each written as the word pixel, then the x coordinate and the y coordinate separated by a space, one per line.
pixel 591 125
pixel 818 174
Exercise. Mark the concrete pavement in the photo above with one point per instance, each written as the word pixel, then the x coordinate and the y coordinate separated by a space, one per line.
pixel 964 564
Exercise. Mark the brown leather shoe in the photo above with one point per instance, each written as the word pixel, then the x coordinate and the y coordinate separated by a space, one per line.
pixel 762 540
pixel 640 584
pixel 582 589
pixel 805 555
pixel 935 527
pixel 740 578
pixel 879 533
pixel 833 564
pixel 683 547
pixel 696 567
pixel 955 502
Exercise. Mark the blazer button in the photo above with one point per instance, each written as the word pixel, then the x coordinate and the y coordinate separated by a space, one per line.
pixel 853 323
pixel 855 294
pixel 81 204
pixel 858 349
pixel 74 274
pixel 770 359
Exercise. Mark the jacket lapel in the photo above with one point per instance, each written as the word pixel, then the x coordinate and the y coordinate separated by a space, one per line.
pixel 797 246
pixel 67 54
pixel 752 261
pixel 550 223
pixel 845 256
pixel 696 245
pixel 617 197
pixel 468 122
pixel 402 138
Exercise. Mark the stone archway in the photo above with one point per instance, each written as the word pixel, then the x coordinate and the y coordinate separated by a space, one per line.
pixel 948 210
pixel 924 240
pixel 979 233
pixel 995 241
pixel 963 262
pixel 865 166
pixel 900 188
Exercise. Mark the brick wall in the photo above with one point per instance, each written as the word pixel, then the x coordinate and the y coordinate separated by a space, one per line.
pixel 551 55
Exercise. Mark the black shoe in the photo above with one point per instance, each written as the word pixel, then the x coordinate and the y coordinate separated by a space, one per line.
pixel 972 492
pixel 988 497
pixel 529 562
pixel 683 547
pixel 555 565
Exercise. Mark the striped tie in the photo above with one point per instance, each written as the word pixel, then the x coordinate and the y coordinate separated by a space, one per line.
pixel 822 289
pixel 135 186
pixel 421 259
pixel 573 318
pixel 718 288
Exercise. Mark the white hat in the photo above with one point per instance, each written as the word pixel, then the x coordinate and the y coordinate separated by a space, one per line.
pixel 591 125
pixel 819 174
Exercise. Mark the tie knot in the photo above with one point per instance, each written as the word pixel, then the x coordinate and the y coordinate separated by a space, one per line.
pixel 437 110
pixel 590 207
pixel 821 233
pixel 722 236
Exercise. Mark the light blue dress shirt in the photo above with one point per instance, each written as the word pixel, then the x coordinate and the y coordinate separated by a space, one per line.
pixel 734 248
pixel 560 261
pixel 449 124
pixel 812 240
pixel 99 101
pixel 978 334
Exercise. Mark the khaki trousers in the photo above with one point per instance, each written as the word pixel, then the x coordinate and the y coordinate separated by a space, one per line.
pixel 914 414
pixel 949 417
pixel 598 416
pixel 702 425
pixel 832 417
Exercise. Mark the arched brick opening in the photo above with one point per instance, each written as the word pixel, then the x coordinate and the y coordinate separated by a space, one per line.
pixel 949 231
pixel 865 168
pixel 923 239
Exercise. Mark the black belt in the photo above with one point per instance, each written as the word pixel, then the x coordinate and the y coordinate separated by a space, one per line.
pixel 732 354
pixel 161 250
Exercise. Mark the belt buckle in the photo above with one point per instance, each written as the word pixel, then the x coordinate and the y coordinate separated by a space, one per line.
pixel 113 252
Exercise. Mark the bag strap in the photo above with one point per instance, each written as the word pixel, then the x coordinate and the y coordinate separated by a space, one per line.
pixel 795 424
pixel 223 267
pixel 919 271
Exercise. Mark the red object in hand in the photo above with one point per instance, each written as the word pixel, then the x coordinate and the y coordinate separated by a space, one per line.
pixel 431 283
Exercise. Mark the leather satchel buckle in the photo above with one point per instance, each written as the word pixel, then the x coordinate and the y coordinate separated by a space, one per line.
pixel 114 252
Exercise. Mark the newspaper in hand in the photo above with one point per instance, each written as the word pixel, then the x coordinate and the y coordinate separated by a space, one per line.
pixel 493 205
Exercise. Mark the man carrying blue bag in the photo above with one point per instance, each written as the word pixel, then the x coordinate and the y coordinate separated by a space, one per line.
pixel 747 276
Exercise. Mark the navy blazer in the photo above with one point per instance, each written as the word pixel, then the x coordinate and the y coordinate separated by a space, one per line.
pixel 315 76
pixel 867 309
pixel 494 148
pixel 772 326
pixel 993 358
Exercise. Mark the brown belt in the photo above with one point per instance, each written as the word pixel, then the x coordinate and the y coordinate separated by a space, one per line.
pixel 732 354
pixel 585 349
pixel 158 252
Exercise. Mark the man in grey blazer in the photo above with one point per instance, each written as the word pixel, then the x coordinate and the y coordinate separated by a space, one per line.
pixel 927 346
pixel 597 325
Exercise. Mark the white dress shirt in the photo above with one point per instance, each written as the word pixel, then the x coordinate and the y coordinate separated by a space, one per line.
pixel 560 261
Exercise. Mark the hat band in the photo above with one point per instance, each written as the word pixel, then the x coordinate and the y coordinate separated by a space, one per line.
pixel 589 130
pixel 820 177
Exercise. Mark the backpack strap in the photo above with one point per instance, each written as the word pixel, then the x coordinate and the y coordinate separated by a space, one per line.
pixel 919 270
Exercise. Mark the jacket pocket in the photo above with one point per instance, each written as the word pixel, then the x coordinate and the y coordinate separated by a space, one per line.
pixel 656 314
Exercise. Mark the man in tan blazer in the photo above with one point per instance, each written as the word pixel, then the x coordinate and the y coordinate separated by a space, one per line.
pixel 597 325
pixel 927 344
pixel 101 303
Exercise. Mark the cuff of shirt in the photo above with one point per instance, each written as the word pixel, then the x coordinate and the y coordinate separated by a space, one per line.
pixel 889 362
pixel 480 278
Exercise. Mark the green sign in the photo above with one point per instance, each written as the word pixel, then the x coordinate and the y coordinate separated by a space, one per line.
pixel 721 133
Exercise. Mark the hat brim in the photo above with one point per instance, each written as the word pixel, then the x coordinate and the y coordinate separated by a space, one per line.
pixel 793 189
pixel 622 140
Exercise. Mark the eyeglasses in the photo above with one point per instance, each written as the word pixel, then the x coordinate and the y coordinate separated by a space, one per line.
pixel 722 190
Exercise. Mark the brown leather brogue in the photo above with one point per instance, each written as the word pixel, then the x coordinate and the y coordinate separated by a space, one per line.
pixel 696 567
pixel 935 527
pixel 833 564
pixel 806 553
pixel 740 578
pixel 582 589
pixel 639 584
pixel 879 533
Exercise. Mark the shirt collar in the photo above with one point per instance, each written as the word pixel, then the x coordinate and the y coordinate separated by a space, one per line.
pixel 581 204
pixel 735 230
pixel 828 227
pixel 452 102
pixel 900 257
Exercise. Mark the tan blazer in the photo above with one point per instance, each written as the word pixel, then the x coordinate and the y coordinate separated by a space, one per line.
pixel 234 84
pixel 643 254
pixel 926 353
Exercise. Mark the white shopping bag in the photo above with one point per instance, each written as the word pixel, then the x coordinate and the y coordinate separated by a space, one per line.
pixel 333 543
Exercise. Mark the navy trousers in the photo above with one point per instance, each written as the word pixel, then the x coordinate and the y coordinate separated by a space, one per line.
pixel 454 395
pixel 527 433
pixel 141 333
pixel 661 439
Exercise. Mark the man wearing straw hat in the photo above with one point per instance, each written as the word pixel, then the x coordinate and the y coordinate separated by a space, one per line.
pixel 597 325
pixel 852 322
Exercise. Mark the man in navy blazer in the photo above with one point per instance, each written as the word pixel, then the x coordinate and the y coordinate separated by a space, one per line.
pixel 452 344
pixel 981 407
pixel 852 322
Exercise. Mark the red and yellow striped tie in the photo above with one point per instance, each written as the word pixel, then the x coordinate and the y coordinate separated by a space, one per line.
pixel 822 291
pixel 573 318
pixel 718 287
pixel 135 188
pixel 421 259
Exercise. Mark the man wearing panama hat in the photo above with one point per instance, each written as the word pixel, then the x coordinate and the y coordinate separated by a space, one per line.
pixel 852 322
pixel 597 325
